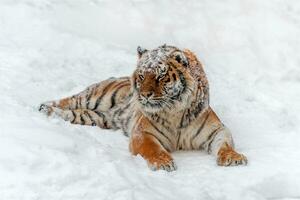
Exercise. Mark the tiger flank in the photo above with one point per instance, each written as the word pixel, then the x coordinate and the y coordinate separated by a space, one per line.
pixel 162 107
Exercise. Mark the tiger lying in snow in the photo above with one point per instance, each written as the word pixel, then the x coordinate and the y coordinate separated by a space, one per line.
pixel 162 107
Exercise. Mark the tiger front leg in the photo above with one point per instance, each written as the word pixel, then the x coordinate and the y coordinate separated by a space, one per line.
pixel 227 156
pixel 149 147
pixel 221 145
pixel 151 150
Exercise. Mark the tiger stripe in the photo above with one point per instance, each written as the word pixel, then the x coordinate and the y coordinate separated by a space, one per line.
pixel 114 94
pixel 161 133
pixel 102 95
pixel 201 126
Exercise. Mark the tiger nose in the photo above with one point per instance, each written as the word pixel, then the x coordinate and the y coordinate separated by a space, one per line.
pixel 147 94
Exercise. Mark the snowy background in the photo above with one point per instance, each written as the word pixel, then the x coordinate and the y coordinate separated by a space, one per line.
pixel 53 48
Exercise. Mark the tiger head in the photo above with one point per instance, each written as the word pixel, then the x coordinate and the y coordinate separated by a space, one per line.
pixel 162 79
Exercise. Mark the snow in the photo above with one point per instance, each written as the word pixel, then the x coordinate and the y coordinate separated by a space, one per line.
pixel 54 48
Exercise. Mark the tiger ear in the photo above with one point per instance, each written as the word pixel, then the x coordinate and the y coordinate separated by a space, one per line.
pixel 181 58
pixel 191 58
pixel 140 51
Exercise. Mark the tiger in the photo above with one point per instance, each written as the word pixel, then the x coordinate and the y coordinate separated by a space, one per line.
pixel 162 107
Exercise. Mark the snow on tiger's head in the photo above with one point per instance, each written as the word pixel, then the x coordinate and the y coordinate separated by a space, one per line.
pixel 162 80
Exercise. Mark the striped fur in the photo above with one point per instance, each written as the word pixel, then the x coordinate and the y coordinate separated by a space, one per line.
pixel 162 107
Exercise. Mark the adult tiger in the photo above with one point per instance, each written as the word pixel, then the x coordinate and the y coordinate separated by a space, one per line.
pixel 163 107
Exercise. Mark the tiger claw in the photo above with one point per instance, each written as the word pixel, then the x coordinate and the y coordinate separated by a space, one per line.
pixel 167 166
pixel 45 109
pixel 232 159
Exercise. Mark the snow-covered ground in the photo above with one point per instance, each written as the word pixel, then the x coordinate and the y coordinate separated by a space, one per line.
pixel 54 48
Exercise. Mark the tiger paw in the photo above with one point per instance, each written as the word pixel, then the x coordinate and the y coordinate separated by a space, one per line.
pixel 164 162
pixel 228 157
pixel 46 109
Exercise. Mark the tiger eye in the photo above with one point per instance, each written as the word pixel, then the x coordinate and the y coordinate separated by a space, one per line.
pixel 141 77
pixel 178 59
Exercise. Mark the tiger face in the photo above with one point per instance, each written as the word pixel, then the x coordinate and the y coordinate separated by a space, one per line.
pixel 162 79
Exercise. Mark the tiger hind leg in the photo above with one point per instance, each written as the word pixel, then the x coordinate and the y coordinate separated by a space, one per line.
pixel 79 116
pixel 77 101
pixel 100 96
pixel 97 102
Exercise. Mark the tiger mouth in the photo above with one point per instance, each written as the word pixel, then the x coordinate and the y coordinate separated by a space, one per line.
pixel 156 104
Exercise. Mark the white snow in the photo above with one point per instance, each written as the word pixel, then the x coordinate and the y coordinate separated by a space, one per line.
pixel 54 48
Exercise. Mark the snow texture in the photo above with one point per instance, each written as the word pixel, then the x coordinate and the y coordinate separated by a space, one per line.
pixel 54 48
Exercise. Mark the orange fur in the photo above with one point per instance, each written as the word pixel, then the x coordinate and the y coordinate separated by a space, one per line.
pixel 144 143
pixel 228 156
pixel 150 85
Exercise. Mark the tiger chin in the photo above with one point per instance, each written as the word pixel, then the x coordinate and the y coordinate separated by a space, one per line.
pixel 162 107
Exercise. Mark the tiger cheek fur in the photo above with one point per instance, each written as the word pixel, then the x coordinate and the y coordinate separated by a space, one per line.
pixel 150 86
pixel 162 107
